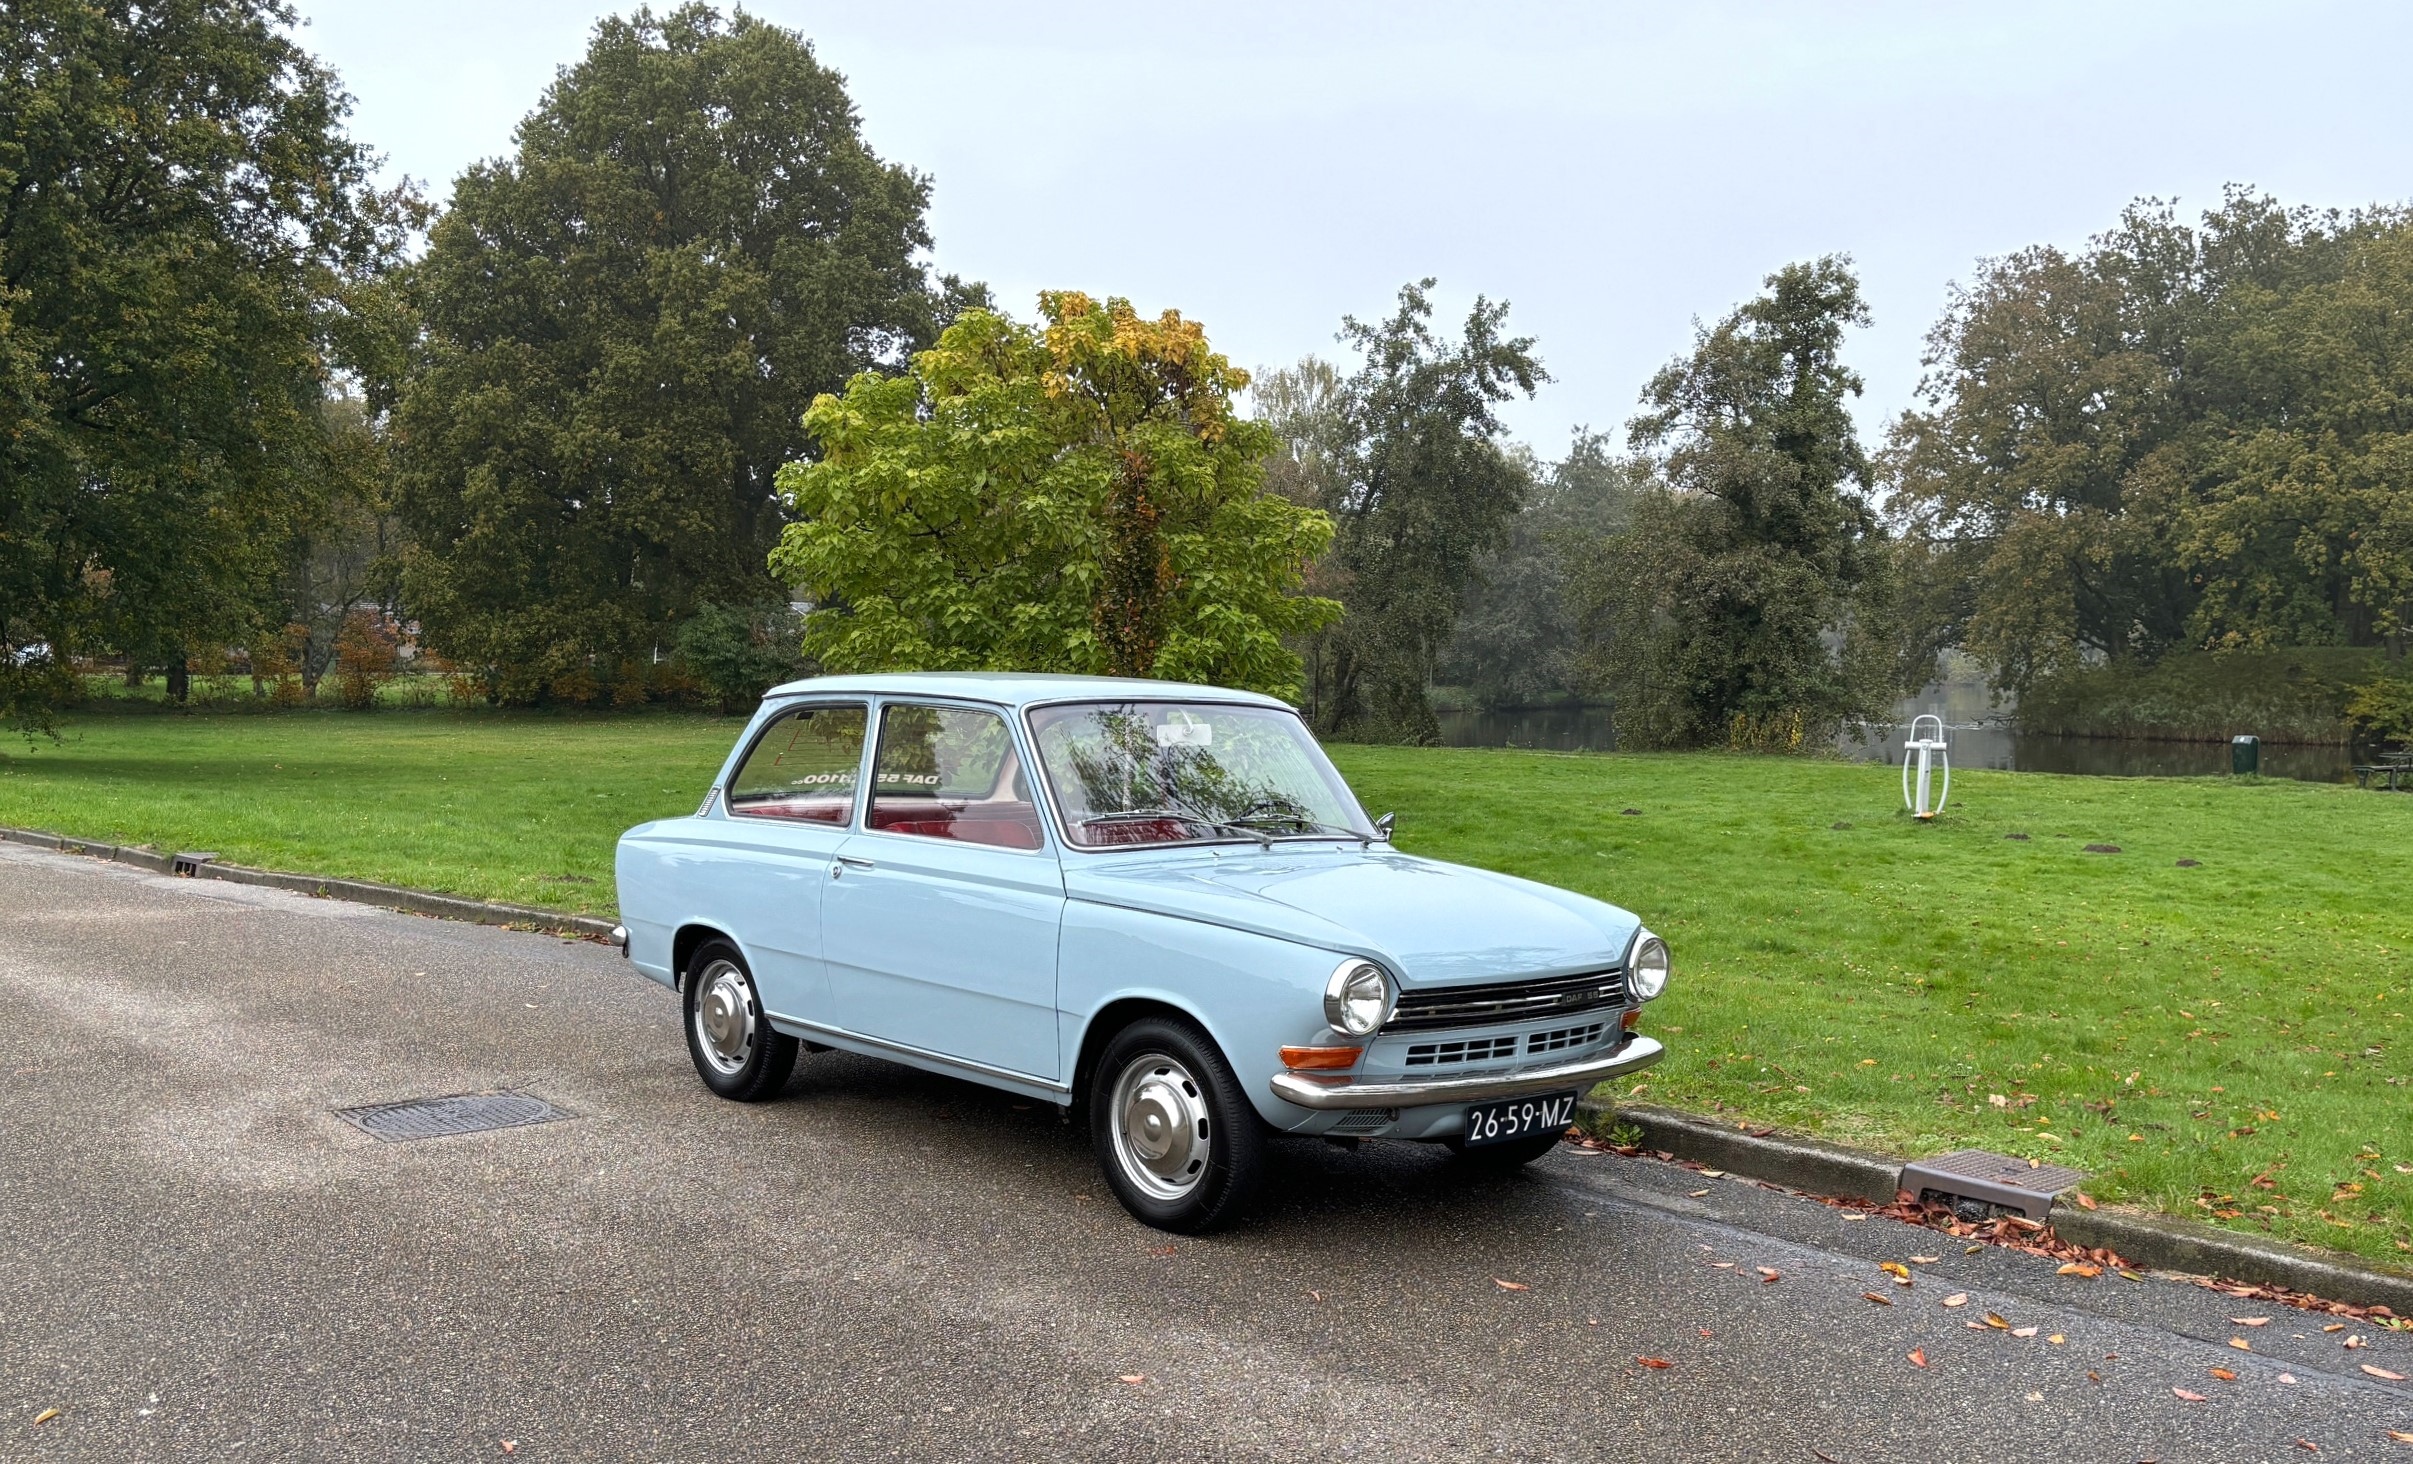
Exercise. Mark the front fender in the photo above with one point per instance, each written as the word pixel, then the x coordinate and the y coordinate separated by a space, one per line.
pixel 1254 994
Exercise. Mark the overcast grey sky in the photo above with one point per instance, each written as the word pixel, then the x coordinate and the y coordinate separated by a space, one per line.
pixel 1614 171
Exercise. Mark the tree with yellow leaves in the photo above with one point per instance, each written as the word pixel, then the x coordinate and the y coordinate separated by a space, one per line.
pixel 1073 496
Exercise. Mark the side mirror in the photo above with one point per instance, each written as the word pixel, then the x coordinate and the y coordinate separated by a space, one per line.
pixel 1383 825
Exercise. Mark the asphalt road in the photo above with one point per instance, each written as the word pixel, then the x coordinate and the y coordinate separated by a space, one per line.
pixel 199 1260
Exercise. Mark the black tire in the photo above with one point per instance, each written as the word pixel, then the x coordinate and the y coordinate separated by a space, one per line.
pixel 1177 1097
pixel 734 1047
pixel 1500 1158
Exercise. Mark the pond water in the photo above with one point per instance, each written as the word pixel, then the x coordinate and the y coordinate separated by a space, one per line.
pixel 1971 743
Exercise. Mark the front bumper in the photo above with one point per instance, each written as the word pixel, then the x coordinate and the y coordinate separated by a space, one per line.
pixel 1636 1054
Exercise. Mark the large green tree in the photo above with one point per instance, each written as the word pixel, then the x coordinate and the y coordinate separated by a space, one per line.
pixel 1406 455
pixel 2175 438
pixel 1742 602
pixel 1518 640
pixel 625 321
pixel 189 250
pixel 1075 497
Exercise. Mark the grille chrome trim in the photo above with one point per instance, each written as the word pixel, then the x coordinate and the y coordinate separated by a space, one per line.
pixel 1635 1054
pixel 1506 1001
pixel 1469 1049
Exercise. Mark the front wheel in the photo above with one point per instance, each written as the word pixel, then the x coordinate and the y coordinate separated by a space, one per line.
pixel 1181 1147
pixel 1514 1154
pixel 737 1052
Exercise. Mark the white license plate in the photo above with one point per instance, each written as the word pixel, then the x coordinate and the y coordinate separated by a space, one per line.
pixel 1514 1118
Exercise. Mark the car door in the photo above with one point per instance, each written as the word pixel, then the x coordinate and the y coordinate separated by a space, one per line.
pixel 783 816
pixel 940 924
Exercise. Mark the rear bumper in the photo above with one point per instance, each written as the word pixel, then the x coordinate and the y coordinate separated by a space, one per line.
pixel 1320 1093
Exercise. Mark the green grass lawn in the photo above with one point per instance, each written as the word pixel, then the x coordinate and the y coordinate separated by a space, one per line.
pixel 2227 1041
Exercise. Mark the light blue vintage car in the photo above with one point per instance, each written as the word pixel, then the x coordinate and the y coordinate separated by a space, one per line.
pixel 1157 905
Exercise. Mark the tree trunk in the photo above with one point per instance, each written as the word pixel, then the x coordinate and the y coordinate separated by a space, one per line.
pixel 180 677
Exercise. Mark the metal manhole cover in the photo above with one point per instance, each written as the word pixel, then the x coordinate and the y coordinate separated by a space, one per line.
pixel 437 1118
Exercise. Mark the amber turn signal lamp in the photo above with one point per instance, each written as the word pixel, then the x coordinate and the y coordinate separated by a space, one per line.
pixel 1633 1019
pixel 1320 1059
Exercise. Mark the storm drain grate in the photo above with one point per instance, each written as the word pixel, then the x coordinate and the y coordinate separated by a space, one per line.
pixel 438 1118
pixel 1977 1184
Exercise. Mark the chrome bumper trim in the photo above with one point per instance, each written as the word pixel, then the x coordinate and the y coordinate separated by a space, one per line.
pixel 1637 1054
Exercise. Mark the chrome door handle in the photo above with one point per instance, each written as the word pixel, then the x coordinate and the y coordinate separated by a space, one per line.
pixel 845 862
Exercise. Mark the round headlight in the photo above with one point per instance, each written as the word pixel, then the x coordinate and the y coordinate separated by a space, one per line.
pixel 1357 1000
pixel 1649 966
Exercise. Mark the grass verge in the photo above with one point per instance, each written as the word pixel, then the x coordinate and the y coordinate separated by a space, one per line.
pixel 2227 1041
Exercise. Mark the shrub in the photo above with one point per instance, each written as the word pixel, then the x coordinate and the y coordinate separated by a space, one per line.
pixel 736 653
pixel 2381 710
pixel 366 650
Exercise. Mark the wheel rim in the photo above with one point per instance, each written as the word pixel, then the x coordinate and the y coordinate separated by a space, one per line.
pixel 724 1017
pixel 1162 1135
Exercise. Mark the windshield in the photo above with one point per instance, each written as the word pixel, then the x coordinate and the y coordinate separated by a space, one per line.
pixel 1189 772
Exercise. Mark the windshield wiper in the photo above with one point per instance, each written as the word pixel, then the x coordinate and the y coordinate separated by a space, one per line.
pixel 1135 815
pixel 1305 823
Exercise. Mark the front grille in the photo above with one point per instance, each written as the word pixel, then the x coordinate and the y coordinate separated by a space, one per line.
pixel 1506 1001
pixel 1473 1049
pixel 1565 1037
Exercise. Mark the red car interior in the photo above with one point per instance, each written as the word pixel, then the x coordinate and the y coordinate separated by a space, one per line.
pixel 1004 825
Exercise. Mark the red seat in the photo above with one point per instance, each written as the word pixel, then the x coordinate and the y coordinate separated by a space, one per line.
pixel 1001 825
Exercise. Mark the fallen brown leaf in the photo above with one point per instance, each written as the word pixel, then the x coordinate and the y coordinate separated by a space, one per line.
pixel 2085 1200
pixel 2190 1397
pixel 1924 1260
pixel 1918 1357
pixel 2400 1437
pixel 2056 1339
pixel 2025 1331
pixel 1895 1269
pixel 1768 1274
pixel 1878 1298
pixel 2249 1321
pixel 1654 1362
pixel 2241 1344
pixel 2335 1327
pixel 1695 1194
pixel 510 1446
pixel 1510 1285
pixel 1957 1298
pixel 45 1416
pixel 1995 1321
pixel 2308 1446
pixel 1134 1379
pixel 1723 1265
pixel 2224 1374
pixel 1819 1453
pixel 2079 1268
pixel 2381 1372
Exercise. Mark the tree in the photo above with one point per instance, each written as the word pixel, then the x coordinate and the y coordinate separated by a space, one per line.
pixel 1517 641
pixel 1407 459
pixel 1740 603
pixel 189 255
pixel 1076 497
pixel 2175 438
pixel 625 322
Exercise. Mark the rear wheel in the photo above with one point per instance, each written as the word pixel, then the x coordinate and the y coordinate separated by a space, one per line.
pixel 736 1051
pixel 1180 1144
pixel 1514 1154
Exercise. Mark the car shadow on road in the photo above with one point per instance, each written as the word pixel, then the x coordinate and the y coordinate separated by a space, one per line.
pixel 1310 1185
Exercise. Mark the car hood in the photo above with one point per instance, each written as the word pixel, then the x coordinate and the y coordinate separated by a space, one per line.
pixel 1432 923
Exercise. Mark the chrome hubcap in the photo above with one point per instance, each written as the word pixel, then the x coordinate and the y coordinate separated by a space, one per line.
pixel 1162 1136
pixel 724 1017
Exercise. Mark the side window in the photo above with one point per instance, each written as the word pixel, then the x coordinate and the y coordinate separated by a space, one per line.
pixel 803 766
pixel 948 773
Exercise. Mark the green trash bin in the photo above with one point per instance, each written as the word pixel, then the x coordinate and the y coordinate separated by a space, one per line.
pixel 2245 756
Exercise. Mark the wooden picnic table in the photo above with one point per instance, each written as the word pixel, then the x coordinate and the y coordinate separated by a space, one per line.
pixel 2393 766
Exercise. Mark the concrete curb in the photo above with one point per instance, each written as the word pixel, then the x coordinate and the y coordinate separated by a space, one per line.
pixel 357 891
pixel 2160 1242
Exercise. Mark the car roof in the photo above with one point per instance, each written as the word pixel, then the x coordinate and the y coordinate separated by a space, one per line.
pixel 1018 688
